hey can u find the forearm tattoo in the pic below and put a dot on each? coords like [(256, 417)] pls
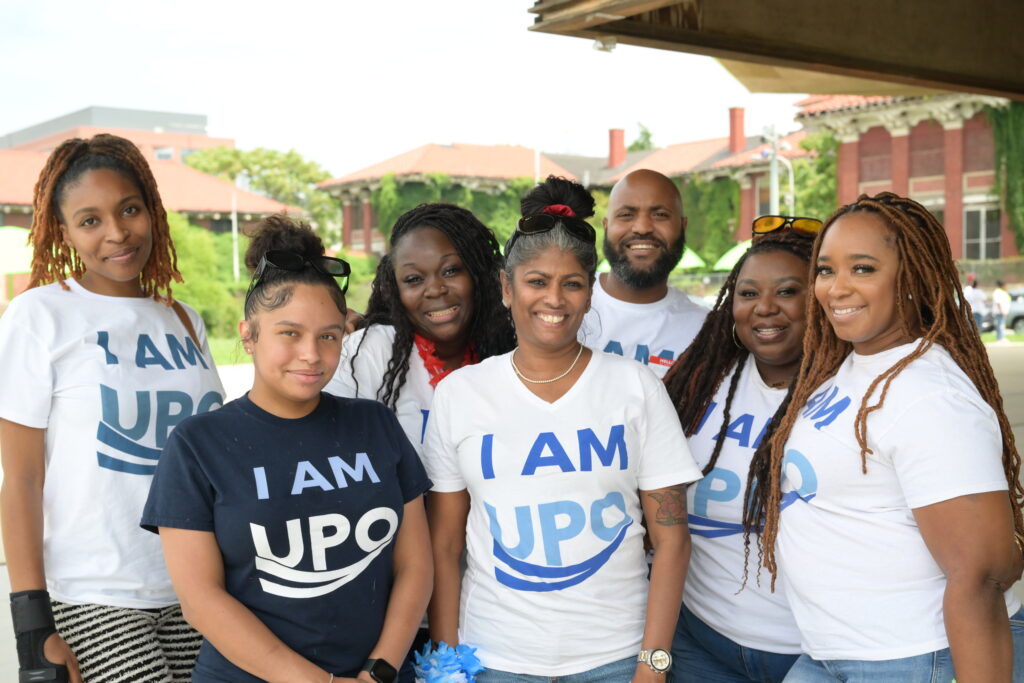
[(671, 506)]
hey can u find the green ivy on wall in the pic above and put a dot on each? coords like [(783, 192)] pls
[(1008, 134), (712, 208)]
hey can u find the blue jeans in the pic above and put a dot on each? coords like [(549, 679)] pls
[(934, 667), (979, 320), (615, 672), (1000, 326), (700, 653)]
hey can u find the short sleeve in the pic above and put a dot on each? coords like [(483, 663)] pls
[(439, 450), (26, 392), (360, 377), (665, 459), (181, 495), (944, 446), (412, 476)]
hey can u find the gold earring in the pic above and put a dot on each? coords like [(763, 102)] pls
[(736, 339)]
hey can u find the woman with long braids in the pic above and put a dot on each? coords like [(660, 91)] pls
[(891, 486), (547, 480), (727, 387), (434, 307), (99, 365), (292, 520)]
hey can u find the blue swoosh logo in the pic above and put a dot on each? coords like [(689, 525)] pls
[(106, 435)]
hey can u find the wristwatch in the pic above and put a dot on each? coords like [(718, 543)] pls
[(380, 670), (659, 660)]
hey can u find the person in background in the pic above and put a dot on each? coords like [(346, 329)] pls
[(99, 364), (1000, 309), (634, 312), (435, 306), (727, 388), (546, 463), (976, 298), (890, 492), (292, 520)]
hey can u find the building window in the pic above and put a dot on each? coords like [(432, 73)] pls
[(981, 233), (164, 153)]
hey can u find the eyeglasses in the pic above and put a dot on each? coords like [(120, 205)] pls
[(809, 227), (295, 262), (545, 222)]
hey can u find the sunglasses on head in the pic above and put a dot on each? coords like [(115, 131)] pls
[(809, 227), (545, 222), (296, 262)]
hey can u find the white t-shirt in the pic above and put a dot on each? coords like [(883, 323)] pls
[(654, 334), (556, 582), (753, 617), (860, 580), (415, 396), (976, 298), (107, 378), (1001, 301)]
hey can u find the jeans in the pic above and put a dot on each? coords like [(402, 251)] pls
[(979, 320), (1000, 326), (700, 653), (934, 667), (615, 672)]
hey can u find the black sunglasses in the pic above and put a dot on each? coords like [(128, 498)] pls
[(295, 262), (546, 222), (808, 227)]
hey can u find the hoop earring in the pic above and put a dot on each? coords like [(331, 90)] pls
[(736, 339)]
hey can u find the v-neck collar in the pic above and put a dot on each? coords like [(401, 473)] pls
[(523, 389)]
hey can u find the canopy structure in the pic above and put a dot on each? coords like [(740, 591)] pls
[(729, 258), (15, 254), (690, 260), (867, 47)]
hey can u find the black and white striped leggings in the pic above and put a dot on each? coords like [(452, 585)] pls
[(122, 645)]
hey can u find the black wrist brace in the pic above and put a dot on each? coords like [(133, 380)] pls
[(33, 624)]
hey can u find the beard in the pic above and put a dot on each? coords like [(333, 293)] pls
[(654, 274)]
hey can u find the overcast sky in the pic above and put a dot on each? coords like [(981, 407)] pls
[(351, 83)]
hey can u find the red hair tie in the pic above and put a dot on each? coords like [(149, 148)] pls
[(559, 210)]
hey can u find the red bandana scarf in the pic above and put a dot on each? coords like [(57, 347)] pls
[(435, 366)]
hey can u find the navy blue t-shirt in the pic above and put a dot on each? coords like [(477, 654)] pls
[(304, 511)]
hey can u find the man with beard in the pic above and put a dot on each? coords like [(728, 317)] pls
[(634, 312)]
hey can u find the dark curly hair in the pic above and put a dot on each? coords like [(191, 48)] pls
[(275, 288), (490, 328)]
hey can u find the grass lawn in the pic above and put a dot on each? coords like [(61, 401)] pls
[(991, 337), (228, 351)]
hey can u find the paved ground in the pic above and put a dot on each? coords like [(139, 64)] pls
[(1008, 362)]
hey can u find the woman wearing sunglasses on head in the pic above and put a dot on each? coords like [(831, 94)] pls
[(293, 523), (727, 386), (548, 480), (435, 307), (99, 363), (884, 490)]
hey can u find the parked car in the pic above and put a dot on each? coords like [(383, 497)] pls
[(1015, 318)]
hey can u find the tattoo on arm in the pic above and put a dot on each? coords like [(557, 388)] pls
[(671, 505)]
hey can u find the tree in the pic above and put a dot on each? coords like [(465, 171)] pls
[(643, 141), (1008, 134), (284, 176), (815, 176), (712, 208)]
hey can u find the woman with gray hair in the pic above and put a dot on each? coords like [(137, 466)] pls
[(548, 481)]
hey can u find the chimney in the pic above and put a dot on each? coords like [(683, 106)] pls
[(616, 147), (737, 138)]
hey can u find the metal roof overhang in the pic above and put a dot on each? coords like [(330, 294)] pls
[(870, 47)]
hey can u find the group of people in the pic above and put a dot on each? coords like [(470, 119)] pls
[(1001, 301), (584, 477)]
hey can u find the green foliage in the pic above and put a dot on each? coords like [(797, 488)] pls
[(1008, 133), (712, 208), (204, 260), (815, 177), (643, 141), (284, 176)]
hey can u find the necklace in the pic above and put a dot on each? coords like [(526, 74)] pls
[(523, 377), (434, 365)]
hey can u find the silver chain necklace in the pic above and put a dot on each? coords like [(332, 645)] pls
[(523, 377)]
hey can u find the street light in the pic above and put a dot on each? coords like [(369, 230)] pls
[(774, 158)]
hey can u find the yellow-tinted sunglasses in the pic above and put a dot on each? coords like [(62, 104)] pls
[(808, 227)]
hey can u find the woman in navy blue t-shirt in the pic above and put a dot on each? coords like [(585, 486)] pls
[(292, 520)]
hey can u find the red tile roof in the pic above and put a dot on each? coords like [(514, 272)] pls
[(815, 104), (678, 159), (459, 161), (182, 188), (744, 157)]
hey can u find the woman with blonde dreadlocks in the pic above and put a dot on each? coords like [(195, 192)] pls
[(99, 364), (727, 386), (891, 485)]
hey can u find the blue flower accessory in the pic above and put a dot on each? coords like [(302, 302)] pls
[(447, 664)]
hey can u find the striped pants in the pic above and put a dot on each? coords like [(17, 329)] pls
[(121, 645)]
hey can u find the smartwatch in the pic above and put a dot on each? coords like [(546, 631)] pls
[(659, 660), (382, 672)]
